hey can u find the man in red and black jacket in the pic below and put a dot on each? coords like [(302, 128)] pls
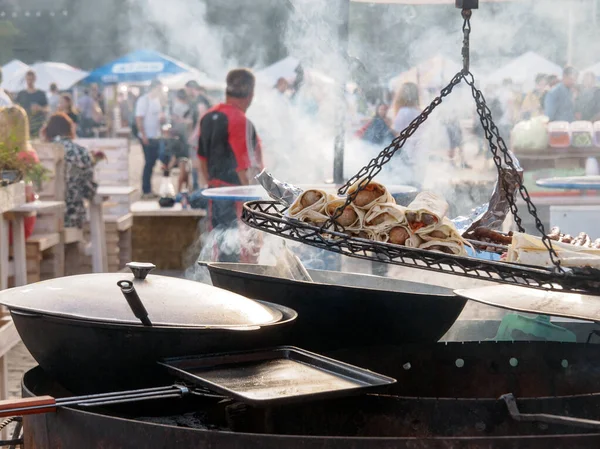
[(229, 148)]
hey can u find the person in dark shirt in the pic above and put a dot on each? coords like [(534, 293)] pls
[(559, 105), (65, 105), (378, 131), (198, 104), (229, 149), (587, 105), (35, 103)]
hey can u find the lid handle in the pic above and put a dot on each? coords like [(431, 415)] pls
[(134, 301), (141, 269)]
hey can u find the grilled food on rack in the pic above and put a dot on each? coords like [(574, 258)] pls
[(530, 250), (426, 211), (351, 218), (581, 240), (310, 206), (376, 216), (373, 193)]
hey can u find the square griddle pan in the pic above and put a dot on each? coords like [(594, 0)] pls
[(276, 376)]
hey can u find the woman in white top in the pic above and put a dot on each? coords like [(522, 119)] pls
[(405, 109)]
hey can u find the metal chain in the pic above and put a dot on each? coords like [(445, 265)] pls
[(367, 173), (492, 134), (493, 137)]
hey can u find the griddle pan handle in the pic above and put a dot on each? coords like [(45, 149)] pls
[(134, 301), (513, 409), (28, 406)]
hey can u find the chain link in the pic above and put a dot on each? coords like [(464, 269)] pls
[(497, 144), (374, 167), (498, 148)]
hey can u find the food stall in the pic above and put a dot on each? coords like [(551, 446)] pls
[(358, 363)]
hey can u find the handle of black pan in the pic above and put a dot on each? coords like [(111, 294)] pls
[(134, 301), (511, 404), (27, 406)]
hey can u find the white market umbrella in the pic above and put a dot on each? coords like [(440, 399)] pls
[(12, 68), (63, 75), (523, 70), (286, 68), (595, 69), (434, 72), (179, 80)]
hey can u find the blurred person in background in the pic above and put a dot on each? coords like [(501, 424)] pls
[(35, 103), (90, 114), (379, 130), (97, 96), (124, 109), (532, 104), (65, 105), (282, 86), (456, 143), (79, 168), (53, 98), (559, 104), (587, 105), (406, 106), (510, 107), (180, 131), (5, 99), (229, 150), (552, 81), (199, 104), (405, 109), (149, 116)]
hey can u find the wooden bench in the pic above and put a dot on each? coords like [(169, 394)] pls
[(118, 241), (45, 247)]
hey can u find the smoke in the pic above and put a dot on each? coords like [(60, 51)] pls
[(298, 133)]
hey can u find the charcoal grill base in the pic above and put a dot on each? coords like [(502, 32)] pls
[(388, 420), (373, 422)]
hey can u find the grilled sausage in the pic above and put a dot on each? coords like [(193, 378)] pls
[(310, 198), (399, 235)]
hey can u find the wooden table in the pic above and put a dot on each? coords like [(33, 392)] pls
[(98, 234), (556, 157), (18, 219), (164, 236), (11, 197)]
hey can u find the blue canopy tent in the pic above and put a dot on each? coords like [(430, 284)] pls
[(139, 66)]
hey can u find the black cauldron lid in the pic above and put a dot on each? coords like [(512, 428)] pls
[(165, 301)]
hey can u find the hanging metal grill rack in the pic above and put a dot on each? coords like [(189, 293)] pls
[(269, 216)]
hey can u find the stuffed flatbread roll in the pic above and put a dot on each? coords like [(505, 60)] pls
[(530, 250), (367, 234), (310, 206), (442, 231), (396, 235), (426, 211), (373, 193), (414, 241), (351, 218), (383, 216), (446, 247)]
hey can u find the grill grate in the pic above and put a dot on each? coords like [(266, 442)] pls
[(268, 216)]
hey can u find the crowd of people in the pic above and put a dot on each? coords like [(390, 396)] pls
[(565, 99), (215, 144), (39, 106)]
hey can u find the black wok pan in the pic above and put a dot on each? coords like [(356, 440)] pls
[(95, 357), (341, 310)]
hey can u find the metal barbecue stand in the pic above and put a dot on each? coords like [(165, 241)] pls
[(268, 216)]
